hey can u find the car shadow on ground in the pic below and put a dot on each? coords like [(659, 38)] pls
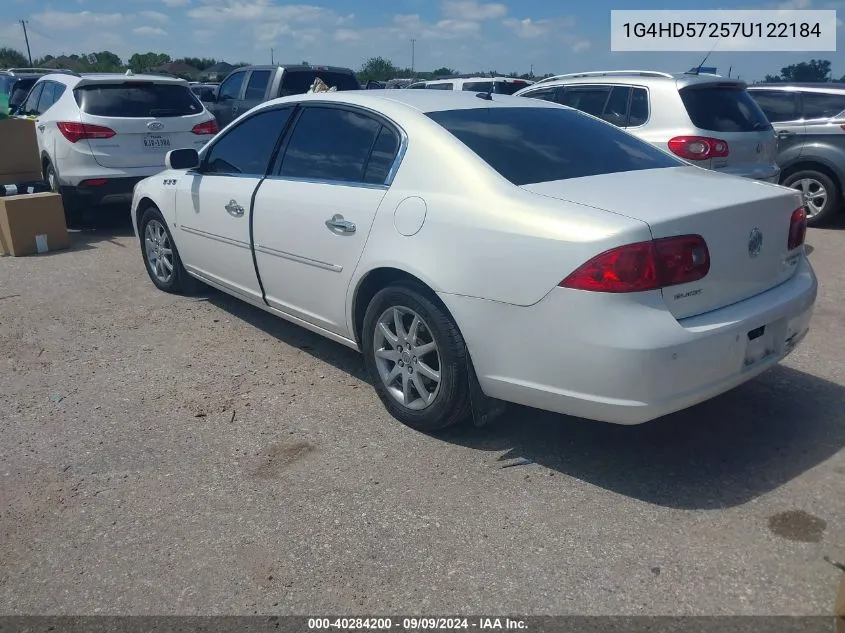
[(722, 453), (104, 224)]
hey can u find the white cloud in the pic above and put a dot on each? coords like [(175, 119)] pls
[(177, 3), (529, 28), (155, 16), (405, 26), (263, 11), (346, 35), (581, 46), (149, 31), (471, 10), (66, 21)]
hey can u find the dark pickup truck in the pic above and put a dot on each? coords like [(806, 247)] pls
[(246, 87)]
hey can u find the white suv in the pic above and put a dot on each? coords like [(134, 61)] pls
[(99, 134), (497, 85), (708, 120)]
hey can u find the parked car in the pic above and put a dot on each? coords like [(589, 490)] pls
[(706, 119), (99, 134), (448, 237), (15, 84), (496, 85), (810, 123), (248, 86), (205, 92)]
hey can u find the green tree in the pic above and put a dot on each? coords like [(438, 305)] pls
[(143, 62), (200, 63), (377, 68), (816, 70), (10, 58), (445, 71)]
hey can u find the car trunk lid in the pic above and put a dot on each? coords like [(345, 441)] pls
[(744, 222), (148, 119)]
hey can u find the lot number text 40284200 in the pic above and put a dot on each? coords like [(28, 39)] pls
[(418, 623)]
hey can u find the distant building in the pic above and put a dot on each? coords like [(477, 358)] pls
[(180, 69), (217, 72)]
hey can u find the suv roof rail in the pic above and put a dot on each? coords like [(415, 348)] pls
[(45, 71), (609, 73)]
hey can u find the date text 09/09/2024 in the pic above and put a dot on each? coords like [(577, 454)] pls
[(417, 623)]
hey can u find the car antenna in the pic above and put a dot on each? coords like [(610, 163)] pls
[(697, 69)]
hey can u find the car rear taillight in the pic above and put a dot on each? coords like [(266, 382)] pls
[(698, 147), (206, 127), (797, 228), (75, 131), (644, 266)]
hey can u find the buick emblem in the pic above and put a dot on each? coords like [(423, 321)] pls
[(155, 125), (755, 242)]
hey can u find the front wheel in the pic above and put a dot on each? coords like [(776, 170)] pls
[(161, 258), (820, 193), (416, 358)]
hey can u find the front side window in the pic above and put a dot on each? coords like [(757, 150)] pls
[(248, 147), (587, 99), (231, 87), (543, 144), (330, 144)]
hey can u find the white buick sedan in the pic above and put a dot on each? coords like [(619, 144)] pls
[(481, 249)]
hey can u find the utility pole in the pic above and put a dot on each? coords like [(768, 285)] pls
[(272, 58), (413, 42), (531, 72), (26, 39)]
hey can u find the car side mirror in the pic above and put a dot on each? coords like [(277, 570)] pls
[(182, 159)]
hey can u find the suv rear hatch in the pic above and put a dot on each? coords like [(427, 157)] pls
[(725, 111), (297, 81), (723, 210), (148, 119)]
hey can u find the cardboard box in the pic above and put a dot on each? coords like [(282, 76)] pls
[(32, 223), (19, 155)]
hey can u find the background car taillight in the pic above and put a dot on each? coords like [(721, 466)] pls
[(698, 147), (644, 266), (797, 228), (75, 131), (206, 127)]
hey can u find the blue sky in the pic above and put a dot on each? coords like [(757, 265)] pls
[(468, 35)]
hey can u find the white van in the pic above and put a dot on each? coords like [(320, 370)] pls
[(496, 85)]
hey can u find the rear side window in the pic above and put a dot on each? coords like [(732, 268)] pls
[(5, 83), (510, 87), (723, 108), (257, 86), (443, 86), (818, 105), (330, 144), (616, 109), (777, 105), (587, 99), (382, 156), (542, 144), (546, 94), (478, 86), (141, 100), (246, 148), (297, 82), (639, 107)]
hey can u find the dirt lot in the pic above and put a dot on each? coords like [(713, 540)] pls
[(164, 455)]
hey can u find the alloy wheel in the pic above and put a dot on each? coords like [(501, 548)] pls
[(813, 193), (159, 251)]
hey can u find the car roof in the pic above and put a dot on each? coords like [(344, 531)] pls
[(816, 87), (641, 77), (88, 78), (335, 69), (424, 101)]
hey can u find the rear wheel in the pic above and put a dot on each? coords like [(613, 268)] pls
[(161, 258), (416, 358), (820, 193)]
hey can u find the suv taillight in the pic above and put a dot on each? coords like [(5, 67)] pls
[(206, 127), (797, 228), (644, 266), (698, 147), (75, 131)]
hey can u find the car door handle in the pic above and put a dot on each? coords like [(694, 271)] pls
[(337, 223), (234, 209), (785, 134)]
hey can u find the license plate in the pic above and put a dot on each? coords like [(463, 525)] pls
[(156, 141)]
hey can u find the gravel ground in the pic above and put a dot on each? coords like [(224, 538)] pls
[(171, 455)]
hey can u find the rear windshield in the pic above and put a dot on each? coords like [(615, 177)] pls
[(141, 99), (8, 84), (530, 145), (297, 82), (724, 109)]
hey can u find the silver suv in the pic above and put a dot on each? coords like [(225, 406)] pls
[(708, 120), (810, 123)]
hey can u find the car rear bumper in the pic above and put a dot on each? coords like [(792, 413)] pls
[(112, 191), (767, 172), (589, 355)]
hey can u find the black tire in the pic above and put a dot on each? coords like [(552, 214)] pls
[(179, 282), (832, 202), (451, 402), (73, 216)]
